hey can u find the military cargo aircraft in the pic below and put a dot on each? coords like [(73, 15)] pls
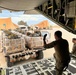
[(62, 12)]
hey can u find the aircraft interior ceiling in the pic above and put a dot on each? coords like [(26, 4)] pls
[(20, 4), (62, 12)]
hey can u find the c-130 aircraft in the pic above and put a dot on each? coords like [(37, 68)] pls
[(62, 12)]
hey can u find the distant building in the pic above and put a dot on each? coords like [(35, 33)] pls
[(6, 23), (43, 25)]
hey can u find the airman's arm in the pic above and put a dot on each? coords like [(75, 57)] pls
[(50, 45)]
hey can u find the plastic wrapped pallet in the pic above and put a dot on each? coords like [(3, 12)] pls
[(34, 42), (2, 37), (14, 45)]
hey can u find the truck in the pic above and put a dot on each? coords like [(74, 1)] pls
[(11, 44), (17, 46), (34, 39)]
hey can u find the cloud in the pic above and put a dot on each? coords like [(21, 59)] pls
[(16, 19), (29, 17), (7, 13), (19, 16)]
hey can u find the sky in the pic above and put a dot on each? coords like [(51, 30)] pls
[(19, 16)]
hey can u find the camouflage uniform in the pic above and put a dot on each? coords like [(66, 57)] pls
[(61, 54)]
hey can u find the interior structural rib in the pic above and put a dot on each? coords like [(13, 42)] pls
[(62, 12)]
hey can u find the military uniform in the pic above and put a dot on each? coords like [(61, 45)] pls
[(61, 54)]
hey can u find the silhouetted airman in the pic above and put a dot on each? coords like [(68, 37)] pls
[(61, 54)]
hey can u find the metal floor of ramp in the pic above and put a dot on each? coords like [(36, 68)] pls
[(40, 67)]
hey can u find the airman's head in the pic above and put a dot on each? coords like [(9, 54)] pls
[(58, 35)]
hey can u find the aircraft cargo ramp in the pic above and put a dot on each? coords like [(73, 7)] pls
[(40, 67)]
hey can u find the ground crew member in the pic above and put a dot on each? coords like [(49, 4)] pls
[(61, 55), (74, 46)]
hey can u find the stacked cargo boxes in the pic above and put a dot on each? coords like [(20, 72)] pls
[(14, 45)]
